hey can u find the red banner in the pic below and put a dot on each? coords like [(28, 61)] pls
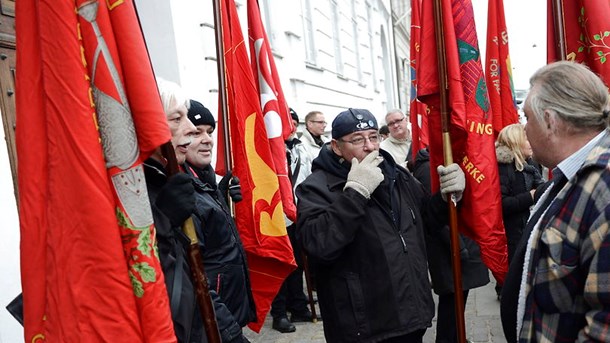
[(418, 111), (275, 110), (260, 215), (90, 271), (480, 212), (587, 34), (498, 70)]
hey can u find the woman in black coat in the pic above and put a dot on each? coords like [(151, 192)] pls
[(518, 182)]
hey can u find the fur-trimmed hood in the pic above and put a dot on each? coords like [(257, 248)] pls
[(504, 155)]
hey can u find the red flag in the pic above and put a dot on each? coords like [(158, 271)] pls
[(89, 266), (587, 34), (275, 110), (498, 70), (260, 215), (418, 111), (480, 213)]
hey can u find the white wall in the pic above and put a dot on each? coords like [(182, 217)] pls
[(10, 278), (192, 63)]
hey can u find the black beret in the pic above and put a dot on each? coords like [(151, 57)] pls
[(200, 115), (294, 115), (352, 120)]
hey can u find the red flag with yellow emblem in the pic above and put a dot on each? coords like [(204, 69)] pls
[(260, 215), (88, 114), (275, 110)]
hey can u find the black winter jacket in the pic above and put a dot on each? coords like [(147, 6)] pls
[(172, 245), (369, 256), (515, 187), (223, 256), (438, 243)]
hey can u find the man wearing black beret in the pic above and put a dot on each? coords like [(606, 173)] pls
[(362, 220), (224, 257)]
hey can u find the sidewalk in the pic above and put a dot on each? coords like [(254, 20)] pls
[(482, 323)]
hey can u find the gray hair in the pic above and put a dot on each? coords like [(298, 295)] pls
[(172, 95), (573, 92), (390, 112)]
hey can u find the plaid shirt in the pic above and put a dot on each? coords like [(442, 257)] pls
[(568, 280)]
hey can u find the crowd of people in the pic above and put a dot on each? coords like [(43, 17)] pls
[(376, 241)]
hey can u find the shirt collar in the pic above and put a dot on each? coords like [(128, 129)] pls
[(570, 166)]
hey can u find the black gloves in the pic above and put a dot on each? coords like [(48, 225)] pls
[(177, 199), (233, 190)]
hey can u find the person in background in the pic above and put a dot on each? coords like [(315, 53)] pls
[(361, 221), (518, 182), (223, 255), (398, 143), (384, 132), (173, 201), (291, 296), (438, 246), (312, 139), (557, 287)]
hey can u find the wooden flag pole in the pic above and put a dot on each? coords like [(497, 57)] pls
[(195, 260), (448, 158), (560, 35), (222, 84)]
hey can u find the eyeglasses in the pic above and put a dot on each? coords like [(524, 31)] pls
[(359, 141), (319, 122), (397, 121)]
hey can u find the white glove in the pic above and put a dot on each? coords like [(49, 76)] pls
[(365, 176), (452, 180)]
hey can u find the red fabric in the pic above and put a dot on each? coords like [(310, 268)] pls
[(587, 35), (260, 215), (480, 213), (418, 111), (498, 70), (75, 270), (275, 110)]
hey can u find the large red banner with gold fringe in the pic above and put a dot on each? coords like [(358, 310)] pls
[(472, 139), (88, 113), (587, 34)]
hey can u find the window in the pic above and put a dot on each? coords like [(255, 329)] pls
[(336, 36), (356, 44), (310, 47)]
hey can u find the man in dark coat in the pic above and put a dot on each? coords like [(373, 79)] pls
[(438, 245), (224, 258), (361, 219), (173, 201)]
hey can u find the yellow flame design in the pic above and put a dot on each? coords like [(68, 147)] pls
[(265, 185)]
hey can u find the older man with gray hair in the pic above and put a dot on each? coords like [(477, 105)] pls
[(398, 143), (562, 285)]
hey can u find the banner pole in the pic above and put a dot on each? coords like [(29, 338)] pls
[(222, 84), (558, 27), (448, 159)]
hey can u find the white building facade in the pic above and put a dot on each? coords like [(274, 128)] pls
[(330, 54)]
